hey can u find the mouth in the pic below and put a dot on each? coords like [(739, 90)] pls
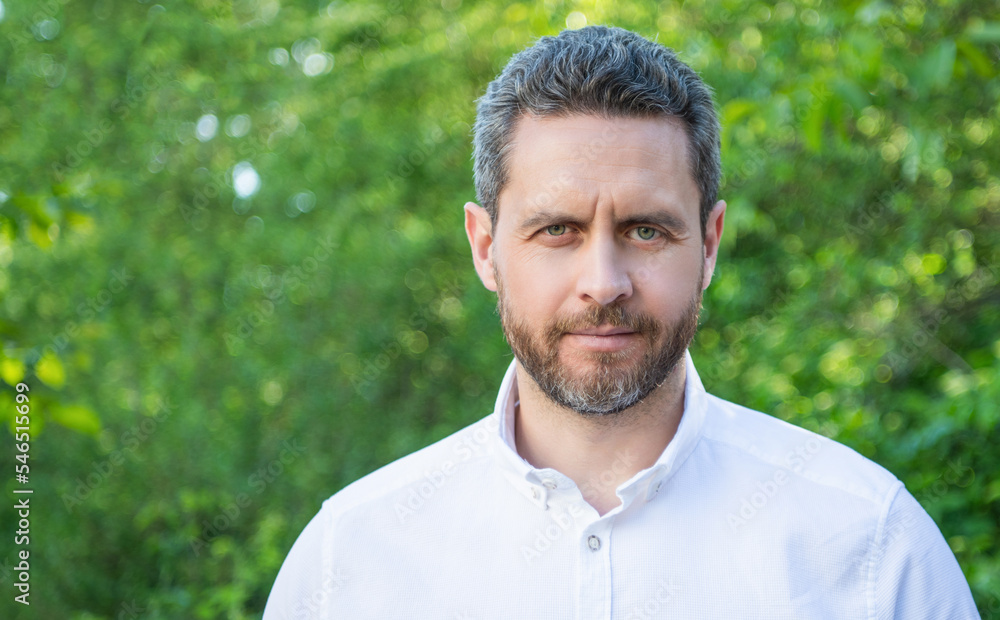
[(603, 331), (605, 339)]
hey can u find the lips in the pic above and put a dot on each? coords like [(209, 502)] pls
[(602, 331), (605, 339)]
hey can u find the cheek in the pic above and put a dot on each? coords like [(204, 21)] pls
[(667, 273), (536, 287)]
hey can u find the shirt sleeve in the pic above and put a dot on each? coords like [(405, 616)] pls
[(916, 574), (298, 591)]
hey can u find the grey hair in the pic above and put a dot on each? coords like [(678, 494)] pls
[(597, 70)]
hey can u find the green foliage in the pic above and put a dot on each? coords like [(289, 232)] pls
[(207, 367)]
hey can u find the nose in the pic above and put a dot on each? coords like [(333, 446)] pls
[(603, 277)]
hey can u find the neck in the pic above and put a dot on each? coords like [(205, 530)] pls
[(598, 453)]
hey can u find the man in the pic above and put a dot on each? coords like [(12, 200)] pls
[(607, 483)]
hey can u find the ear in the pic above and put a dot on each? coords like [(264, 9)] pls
[(713, 235), (479, 229)]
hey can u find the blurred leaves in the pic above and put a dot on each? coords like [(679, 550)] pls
[(177, 331)]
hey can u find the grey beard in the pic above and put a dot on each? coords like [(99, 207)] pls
[(609, 390)]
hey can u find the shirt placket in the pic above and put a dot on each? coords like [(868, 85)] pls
[(594, 573)]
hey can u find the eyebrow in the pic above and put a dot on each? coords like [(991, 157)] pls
[(661, 218), (545, 217), (664, 219)]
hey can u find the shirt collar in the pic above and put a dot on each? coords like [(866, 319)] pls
[(537, 484)]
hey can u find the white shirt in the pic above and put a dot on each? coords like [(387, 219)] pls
[(742, 516)]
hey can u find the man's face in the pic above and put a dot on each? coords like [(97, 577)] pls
[(597, 256)]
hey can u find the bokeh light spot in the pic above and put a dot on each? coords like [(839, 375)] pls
[(317, 64), (47, 29), (238, 126), (278, 56), (206, 127), (246, 181), (576, 20)]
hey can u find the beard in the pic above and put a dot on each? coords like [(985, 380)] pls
[(613, 383)]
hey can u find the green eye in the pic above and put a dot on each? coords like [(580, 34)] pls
[(645, 233), (556, 229)]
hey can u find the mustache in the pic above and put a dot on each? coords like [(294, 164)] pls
[(615, 316)]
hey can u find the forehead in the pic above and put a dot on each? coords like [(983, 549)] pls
[(584, 160)]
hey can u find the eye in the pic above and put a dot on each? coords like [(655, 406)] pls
[(556, 230), (646, 233)]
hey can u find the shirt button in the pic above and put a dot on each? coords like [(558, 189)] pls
[(534, 492), (594, 543), (550, 484)]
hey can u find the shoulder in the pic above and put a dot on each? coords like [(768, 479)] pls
[(455, 456), (757, 439), (338, 542)]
